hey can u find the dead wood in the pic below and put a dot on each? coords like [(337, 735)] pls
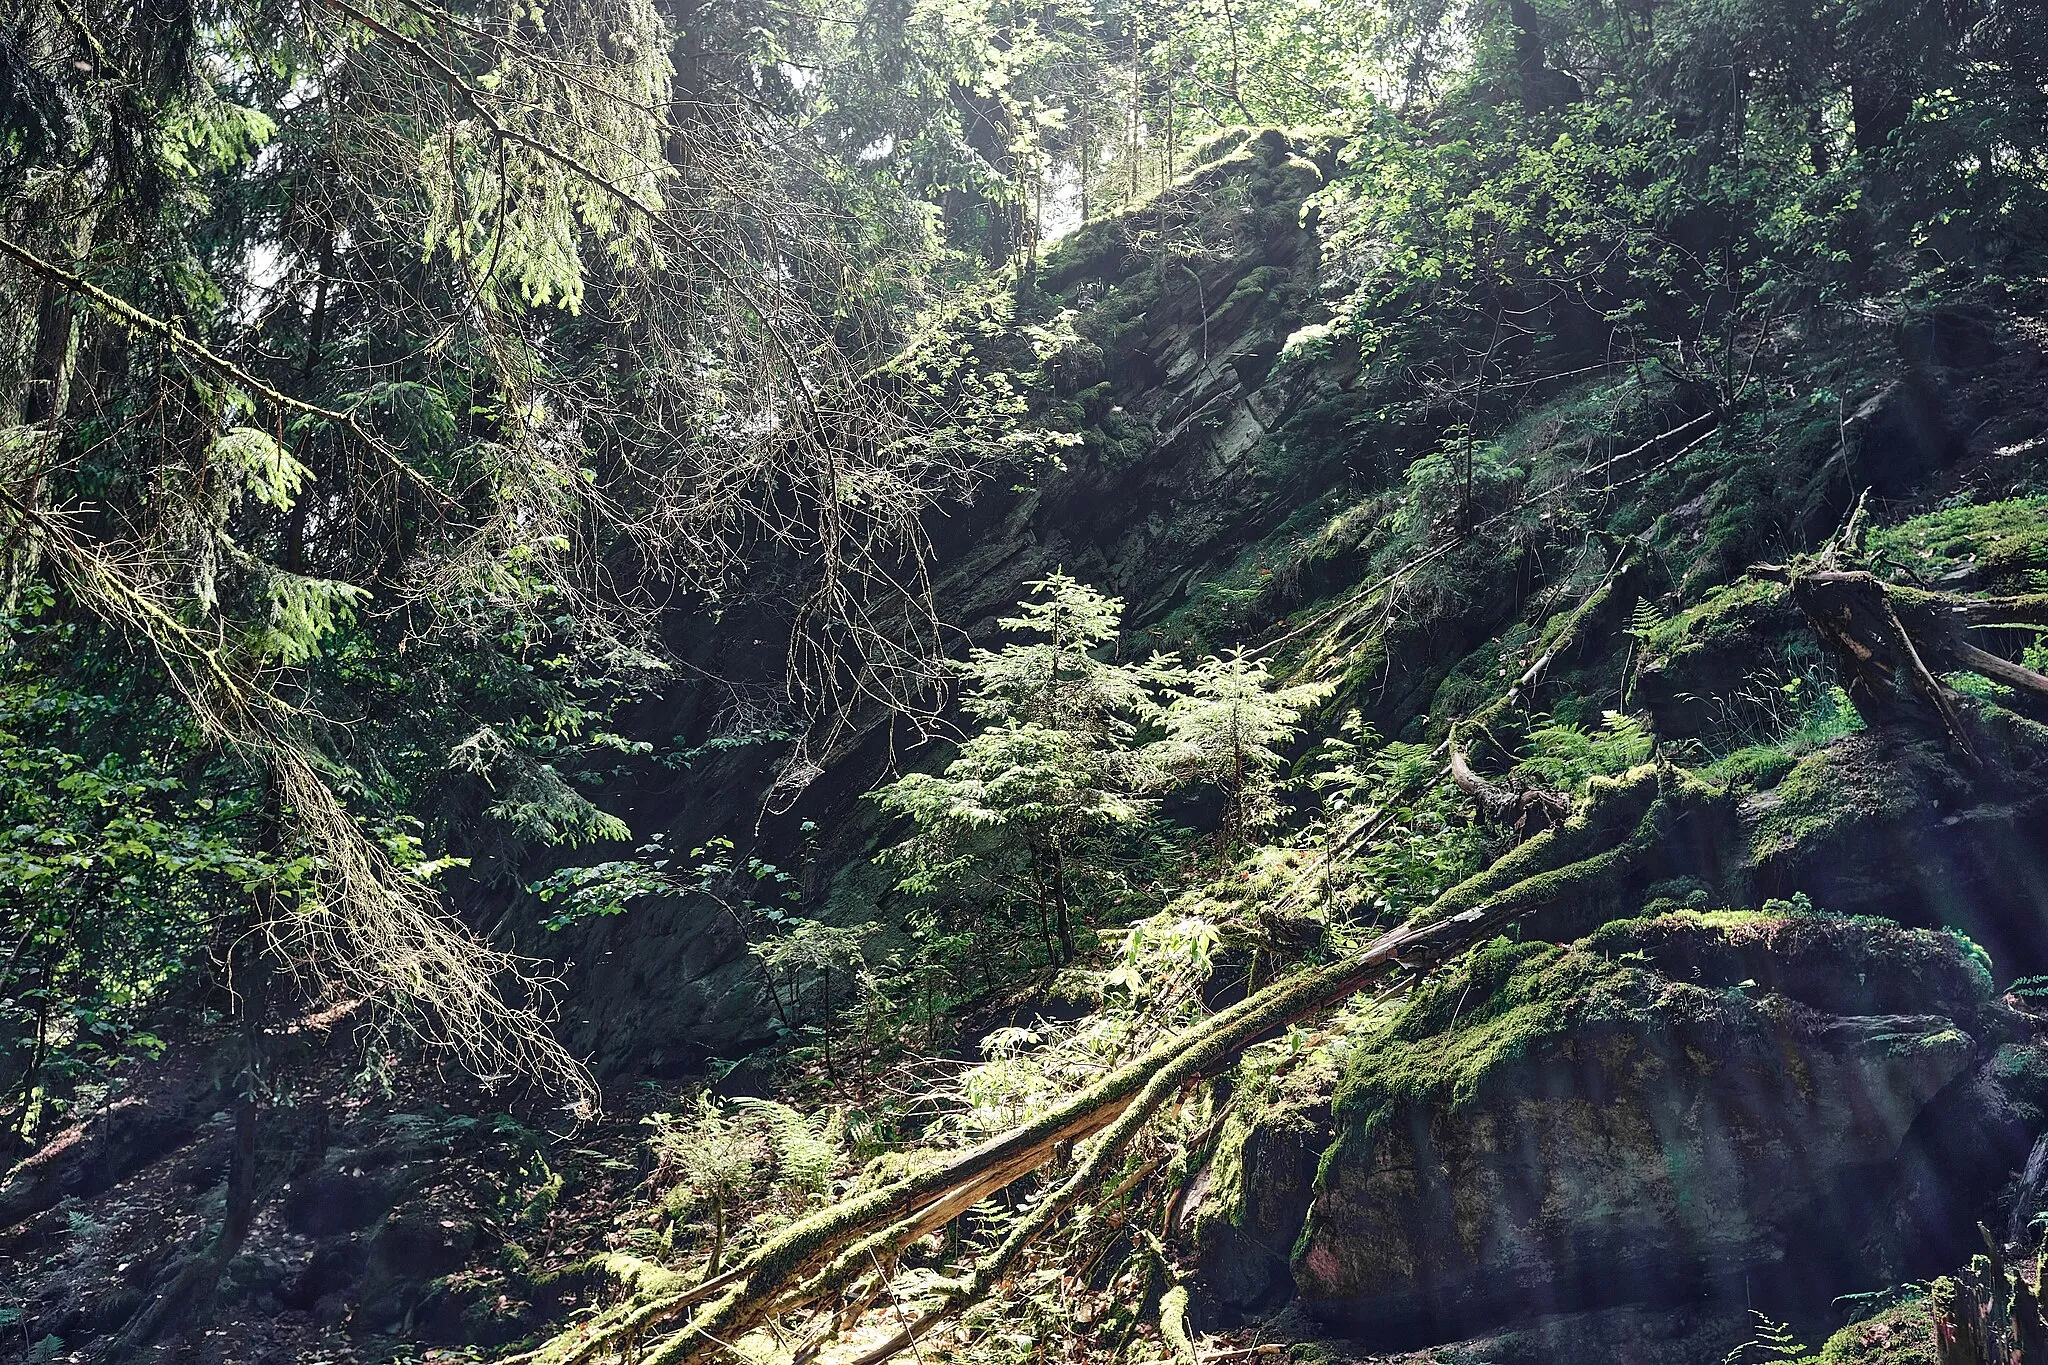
[(819, 1258), (1894, 644)]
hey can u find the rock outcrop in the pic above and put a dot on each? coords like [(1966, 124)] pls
[(1183, 451), (1759, 1101)]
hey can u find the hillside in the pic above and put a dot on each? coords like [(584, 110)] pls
[(1419, 734)]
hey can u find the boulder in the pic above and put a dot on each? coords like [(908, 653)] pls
[(1901, 434), (1899, 825), (1675, 1108)]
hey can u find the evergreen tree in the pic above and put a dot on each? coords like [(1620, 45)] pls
[(1222, 727), (1071, 756), (1051, 677), (1024, 815)]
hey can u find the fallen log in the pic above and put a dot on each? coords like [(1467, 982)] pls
[(820, 1256), (1895, 642)]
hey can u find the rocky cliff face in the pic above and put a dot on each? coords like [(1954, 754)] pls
[(1188, 446)]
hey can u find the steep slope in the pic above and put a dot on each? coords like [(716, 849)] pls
[(1686, 1073), (1676, 1097), (1188, 445), (1767, 1110)]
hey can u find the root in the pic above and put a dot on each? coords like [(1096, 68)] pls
[(1519, 807), (1173, 1324), (1883, 633)]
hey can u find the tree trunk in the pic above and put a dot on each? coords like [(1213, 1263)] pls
[(49, 377), (1063, 915)]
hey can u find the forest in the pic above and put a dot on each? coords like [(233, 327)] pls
[(814, 682)]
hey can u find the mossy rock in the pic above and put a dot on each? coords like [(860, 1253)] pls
[(1826, 962), (2020, 1070), (1754, 767), (1265, 288), (1829, 796), (1296, 178), (1693, 1334), (1998, 546), (1468, 1032), (1898, 825), (1663, 1104), (1254, 1194), (1694, 662), (1902, 1334)]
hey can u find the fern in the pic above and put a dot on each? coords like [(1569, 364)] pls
[(806, 1150), (1565, 757), (1644, 620), (1769, 1341)]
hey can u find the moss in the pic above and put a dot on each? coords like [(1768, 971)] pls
[(1216, 146), (1621, 817), (1724, 970), (1739, 530), (1825, 792), (1231, 603), (637, 1275), (2021, 1073), (543, 1200), (1481, 676), (1256, 284), (1098, 251), (1464, 1027), (1727, 615), (1902, 1334), (2004, 544), (1758, 767), (1313, 1353), (890, 1168), (1627, 935), (1849, 965), (1296, 178), (1225, 1200), (1132, 293), (1280, 1098)]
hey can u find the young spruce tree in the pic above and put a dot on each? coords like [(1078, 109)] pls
[(1222, 727), (1071, 753), (1021, 818)]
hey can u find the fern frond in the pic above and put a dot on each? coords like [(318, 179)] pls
[(1644, 619)]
